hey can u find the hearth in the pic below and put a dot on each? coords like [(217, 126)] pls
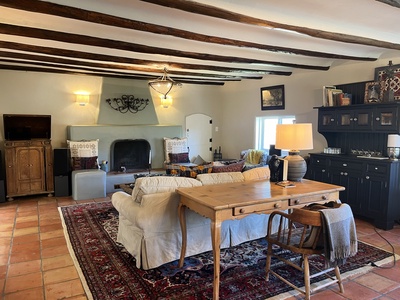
[(130, 156)]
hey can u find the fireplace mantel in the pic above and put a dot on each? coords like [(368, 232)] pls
[(107, 134)]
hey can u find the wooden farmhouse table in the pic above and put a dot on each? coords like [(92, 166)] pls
[(233, 201)]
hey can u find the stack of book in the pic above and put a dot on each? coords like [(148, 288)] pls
[(335, 97)]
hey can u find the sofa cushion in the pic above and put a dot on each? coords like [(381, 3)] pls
[(179, 157), (84, 163), (235, 167), (160, 184), (174, 145), (84, 154), (224, 177), (261, 173)]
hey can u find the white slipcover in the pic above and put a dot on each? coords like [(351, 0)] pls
[(150, 230)]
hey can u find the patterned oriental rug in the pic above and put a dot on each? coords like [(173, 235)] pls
[(108, 271)]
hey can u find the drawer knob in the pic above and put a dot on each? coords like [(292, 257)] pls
[(366, 177), (324, 198), (277, 205), (297, 201), (241, 210)]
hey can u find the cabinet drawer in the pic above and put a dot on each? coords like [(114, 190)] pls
[(318, 161), (346, 164), (269, 206), (377, 168), (322, 198)]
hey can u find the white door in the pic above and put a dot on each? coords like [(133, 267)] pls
[(199, 134)]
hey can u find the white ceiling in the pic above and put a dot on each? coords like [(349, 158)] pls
[(332, 32)]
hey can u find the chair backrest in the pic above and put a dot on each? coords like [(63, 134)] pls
[(300, 229)]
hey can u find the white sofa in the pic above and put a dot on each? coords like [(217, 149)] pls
[(149, 224)]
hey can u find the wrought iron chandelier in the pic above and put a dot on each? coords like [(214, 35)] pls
[(128, 103), (164, 84)]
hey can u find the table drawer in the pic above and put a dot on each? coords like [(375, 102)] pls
[(258, 208), (322, 198)]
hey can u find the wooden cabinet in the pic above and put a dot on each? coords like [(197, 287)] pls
[(29, 167), (381, 117), (372, 188)]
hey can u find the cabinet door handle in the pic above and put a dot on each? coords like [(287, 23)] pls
[(377, 118), (366, 177), (344, 165), (332, 120), (341, 173), (355, 119), (345, 173), (376, 168), (323, 171)]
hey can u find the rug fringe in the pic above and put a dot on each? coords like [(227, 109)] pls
[(346, 275), (74, 259)]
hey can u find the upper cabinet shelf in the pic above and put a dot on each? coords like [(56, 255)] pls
[(382, 117)]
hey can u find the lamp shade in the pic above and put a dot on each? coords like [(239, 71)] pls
[(393, 140), (294, 136), (82, 98)]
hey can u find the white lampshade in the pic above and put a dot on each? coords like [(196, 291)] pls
[(393, 140), (294, 136)]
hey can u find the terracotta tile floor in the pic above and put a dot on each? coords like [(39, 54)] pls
[(35, 262)]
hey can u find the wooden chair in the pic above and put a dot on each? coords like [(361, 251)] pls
[(300, 232)]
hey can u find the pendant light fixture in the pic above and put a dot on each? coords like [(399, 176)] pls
[(163, 85)]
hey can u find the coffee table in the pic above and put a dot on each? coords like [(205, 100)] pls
[(232, 201)]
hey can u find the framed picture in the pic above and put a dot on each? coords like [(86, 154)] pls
[(373, 92), (273, 97), (381, 75)]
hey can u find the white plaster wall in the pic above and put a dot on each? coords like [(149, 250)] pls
[(53, 94), (232, 107), (303, 91)]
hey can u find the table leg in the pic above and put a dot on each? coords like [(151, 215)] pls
[(216, 245), (182, 220)]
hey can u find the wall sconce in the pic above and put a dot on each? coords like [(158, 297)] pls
[(82, 98), (294, 137), (166, 101)]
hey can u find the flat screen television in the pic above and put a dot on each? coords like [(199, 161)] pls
[(26, 127)]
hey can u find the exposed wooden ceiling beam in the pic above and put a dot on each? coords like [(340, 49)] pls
[(113, 44), (71, 63), (126, 60), (100, 18), (100, 74), (216, 12), (395, 3)]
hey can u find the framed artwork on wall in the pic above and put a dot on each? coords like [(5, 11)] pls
[(373, 92), (273, 97), (389, 76)]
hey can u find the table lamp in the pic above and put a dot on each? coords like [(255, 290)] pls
[(393, 146), (294, 137)]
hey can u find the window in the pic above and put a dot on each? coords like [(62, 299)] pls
[(266, 129)]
